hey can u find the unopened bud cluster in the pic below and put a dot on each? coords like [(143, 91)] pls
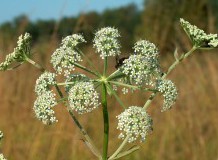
[(198, 36), (134, 123), (19, 53)]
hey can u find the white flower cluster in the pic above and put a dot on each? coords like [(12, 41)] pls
[(66, 55), (43, 107), (142, 67), (106, 42), (83, 98), (22, 50), (136, 67), (1, 135), (2, 157), (198, 36), (150, 52), (146, 48), (135, 123), (43, 82), (169, 91), (46, 98)]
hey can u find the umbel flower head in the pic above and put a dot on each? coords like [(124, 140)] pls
[(134, 122), (1, 135), (146, 48), (139, 69), (22, 50), (43, 82), (2, 157), (198, 37), (106, 42), (83, 98), (150, 52), (142, 67), (43, 107), (67, 54), (169, 91)]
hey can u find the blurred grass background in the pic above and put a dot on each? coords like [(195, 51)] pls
[(188, 131)]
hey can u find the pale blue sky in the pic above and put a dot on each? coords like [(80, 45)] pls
[(54, 9)]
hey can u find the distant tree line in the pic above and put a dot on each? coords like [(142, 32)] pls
[(125, 19), (158, 22)]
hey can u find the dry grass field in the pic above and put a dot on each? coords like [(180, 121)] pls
[(189, 131)]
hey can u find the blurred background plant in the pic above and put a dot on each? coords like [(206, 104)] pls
[(188, 131)]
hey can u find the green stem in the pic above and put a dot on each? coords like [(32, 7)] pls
[(61, 100), (125, 153), (67, 83), (172, 67), (115, 75), (150, 99), (182, 57), (105, 66), (88, 141), (106, 121), (85, 69), (116, 96), (152, 96), (88, 60), (35, 64), (14, 67), (59, 91), (131, 86), (119, 148)]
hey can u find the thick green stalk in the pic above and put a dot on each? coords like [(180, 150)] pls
[(106, 121)]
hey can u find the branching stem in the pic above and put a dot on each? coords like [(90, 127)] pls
[(152, 96), (88, 140)]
